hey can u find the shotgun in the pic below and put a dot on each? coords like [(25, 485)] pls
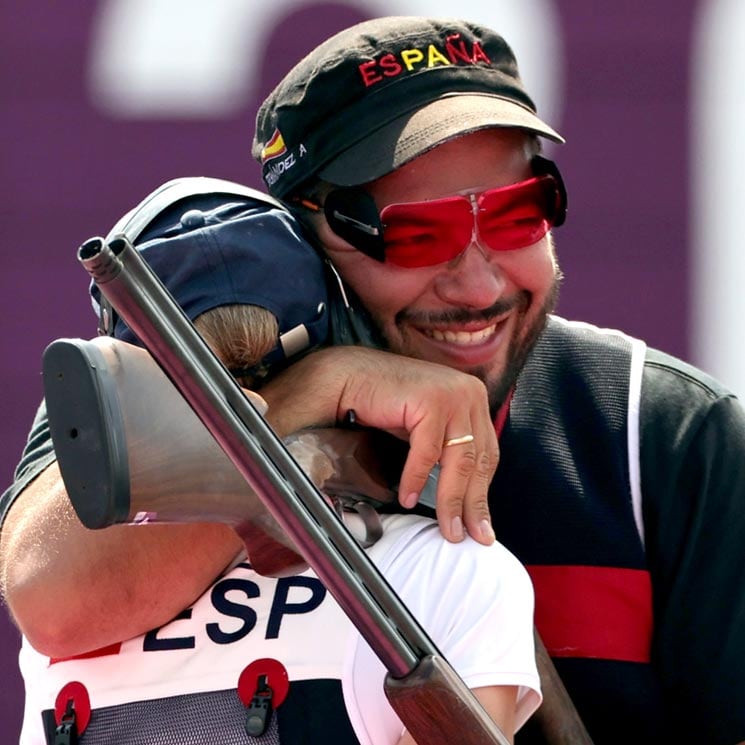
[(430, 698)]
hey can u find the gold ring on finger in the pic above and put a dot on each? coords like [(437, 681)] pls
[(458, 441)]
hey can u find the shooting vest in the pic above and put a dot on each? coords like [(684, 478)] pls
[(566, 500), (201, 673)]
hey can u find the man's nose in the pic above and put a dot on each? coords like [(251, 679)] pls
[(473, 279)]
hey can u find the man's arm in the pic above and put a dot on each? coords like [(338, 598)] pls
[(71, 590), (693, 484), (420, 401)]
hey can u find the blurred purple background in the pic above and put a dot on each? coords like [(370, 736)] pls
[(76, 155)]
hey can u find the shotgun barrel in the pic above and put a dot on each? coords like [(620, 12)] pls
[(419, 679)]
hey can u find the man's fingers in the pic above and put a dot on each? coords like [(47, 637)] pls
[(457, 464), (467, 464), (445, 414), (467, 467), (476, 504)]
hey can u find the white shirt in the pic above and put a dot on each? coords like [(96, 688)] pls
[(475, 602)]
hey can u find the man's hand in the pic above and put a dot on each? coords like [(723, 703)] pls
[(424, 402)]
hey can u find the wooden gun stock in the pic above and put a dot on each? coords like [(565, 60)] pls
[(433, 693), (557, 718), (428, 694)]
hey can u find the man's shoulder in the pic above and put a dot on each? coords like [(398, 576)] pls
[(586, 360), (37, 455), (575, 345), (571, 336), (665, 373), (612, 369), (679, 400), (575, 340)]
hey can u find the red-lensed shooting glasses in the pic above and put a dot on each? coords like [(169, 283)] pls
[(417, 234)]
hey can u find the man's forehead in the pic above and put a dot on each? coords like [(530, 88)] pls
[(485, 158)]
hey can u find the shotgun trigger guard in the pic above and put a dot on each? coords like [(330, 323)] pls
[(367, 514)]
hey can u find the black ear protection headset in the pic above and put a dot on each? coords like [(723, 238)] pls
[(353, 215)]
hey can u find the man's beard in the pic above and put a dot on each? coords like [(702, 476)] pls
[(518, 351), (520, 345)]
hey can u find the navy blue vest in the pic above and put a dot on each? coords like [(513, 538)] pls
[(562, 502)]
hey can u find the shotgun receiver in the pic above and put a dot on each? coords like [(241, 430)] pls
[(429, 697)]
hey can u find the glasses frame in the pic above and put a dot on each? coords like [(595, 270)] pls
[(352, 214)]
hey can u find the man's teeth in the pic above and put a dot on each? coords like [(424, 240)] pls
[(462, 337)]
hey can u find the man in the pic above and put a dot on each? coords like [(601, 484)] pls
[(620, 475), (408, 148)]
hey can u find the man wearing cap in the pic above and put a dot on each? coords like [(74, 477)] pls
[(409, 148)]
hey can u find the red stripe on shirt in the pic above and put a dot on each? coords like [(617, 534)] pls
[(594, 612), (101, 652)]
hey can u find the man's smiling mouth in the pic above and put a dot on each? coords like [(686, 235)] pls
[(460, 337)]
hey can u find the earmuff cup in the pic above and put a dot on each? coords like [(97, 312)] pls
[(353, 215)]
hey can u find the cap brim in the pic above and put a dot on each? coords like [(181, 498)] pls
[(399, 141)]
